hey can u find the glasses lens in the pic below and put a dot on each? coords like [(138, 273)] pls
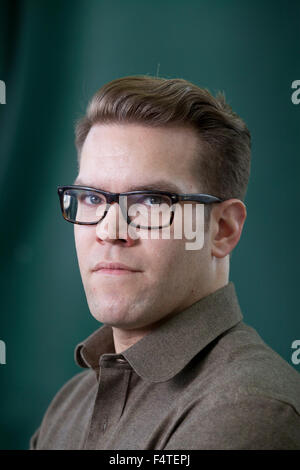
[(149, 210), (83, 205)]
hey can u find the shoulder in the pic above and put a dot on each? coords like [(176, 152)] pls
[(239, 422), (251, 366), (78, 392), (243, 396), (74, 390), (239, 361)]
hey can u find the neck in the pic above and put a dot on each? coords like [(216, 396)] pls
[(123, 339)]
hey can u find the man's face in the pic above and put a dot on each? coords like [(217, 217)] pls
[(168, 277)]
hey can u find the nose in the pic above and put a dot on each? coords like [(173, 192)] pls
[(114, 226)]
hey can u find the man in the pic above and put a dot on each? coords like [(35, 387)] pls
[(173, 366)]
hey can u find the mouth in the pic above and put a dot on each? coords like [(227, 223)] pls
[(116, 269)]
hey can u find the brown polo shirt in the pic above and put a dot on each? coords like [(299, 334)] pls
[(203, 380)]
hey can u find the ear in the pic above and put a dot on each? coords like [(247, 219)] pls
[(227, 220)]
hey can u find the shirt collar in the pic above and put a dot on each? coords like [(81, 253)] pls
[(166, 350)]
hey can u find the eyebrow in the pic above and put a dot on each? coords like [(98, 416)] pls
[(160, 185)]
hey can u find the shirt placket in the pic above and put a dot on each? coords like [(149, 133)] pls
[(114, 376)]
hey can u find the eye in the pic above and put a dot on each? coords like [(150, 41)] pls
[(91, 199), (151, 200)]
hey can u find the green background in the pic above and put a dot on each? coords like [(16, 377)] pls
[(53, 56)]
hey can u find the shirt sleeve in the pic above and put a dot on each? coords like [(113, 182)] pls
[(248, 422)]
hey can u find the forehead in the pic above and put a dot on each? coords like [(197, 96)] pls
[(115, 156)]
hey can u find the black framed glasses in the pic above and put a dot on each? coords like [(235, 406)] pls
[(83, 205)]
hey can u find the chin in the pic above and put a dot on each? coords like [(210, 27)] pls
[(114, 313)]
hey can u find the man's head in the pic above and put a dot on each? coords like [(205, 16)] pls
[(146, 132)]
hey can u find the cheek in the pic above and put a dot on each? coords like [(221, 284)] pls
[(165, 256), (174, 270), (170, 259), (83, 239), (78, 239)]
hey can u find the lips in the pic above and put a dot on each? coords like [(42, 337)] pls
[(114, 268)]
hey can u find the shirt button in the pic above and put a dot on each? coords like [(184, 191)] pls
[(104, 425), (120, 360)]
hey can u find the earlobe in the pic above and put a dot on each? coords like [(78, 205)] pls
[(227, 225)]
